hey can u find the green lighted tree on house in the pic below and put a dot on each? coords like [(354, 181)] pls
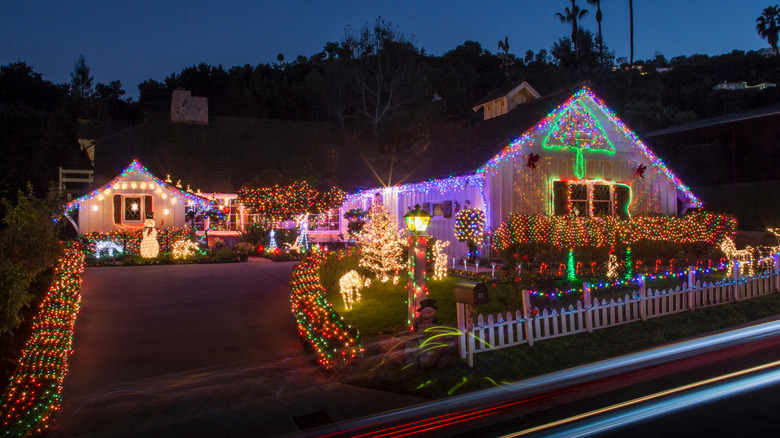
[(380, 243), (470, 227)]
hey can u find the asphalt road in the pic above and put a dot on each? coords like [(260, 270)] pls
[(197, 350)]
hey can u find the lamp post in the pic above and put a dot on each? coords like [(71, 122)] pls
[(417, 287)]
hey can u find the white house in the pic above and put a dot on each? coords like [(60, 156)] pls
[(578, 160), (128, 199)]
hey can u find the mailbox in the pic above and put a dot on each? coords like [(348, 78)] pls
[(469, 292)]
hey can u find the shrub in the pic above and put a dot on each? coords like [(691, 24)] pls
[(225, 254), (244, 247), (13, 295), (253, 234)]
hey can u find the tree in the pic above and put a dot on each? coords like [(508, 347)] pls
[(768, 26), (597, 4), (380, 243), (572, 15), (81, 80), (382, 61), (470, 227)]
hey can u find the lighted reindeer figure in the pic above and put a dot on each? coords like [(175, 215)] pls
[(302, 224), (351, 284), (744, 256)]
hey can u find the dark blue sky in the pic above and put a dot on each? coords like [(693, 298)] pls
[(136, 40)]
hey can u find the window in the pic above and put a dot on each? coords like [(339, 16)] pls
[(590, 198), (132, 209), (438, 209), (329, 221)]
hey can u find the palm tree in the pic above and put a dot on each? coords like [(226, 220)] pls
[(597, 4), (768, 25), (571, 15), (631, 34)]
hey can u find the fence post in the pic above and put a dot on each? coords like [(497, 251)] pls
[(735, 274), (463, 333), (642, 297), (588, 306), (691, 285), (527, 316), (776, 270)]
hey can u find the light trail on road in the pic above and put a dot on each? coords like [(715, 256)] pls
[(728, 385)]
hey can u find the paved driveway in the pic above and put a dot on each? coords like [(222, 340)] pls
[(197, 350)]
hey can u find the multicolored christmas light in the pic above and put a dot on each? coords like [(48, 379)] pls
[(130, 240), (318, 324), (581, 99), (34, 393), (470, 228), (285, 202), (569, 232), (151, 185)]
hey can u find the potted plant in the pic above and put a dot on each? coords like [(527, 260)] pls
[(243, 249)]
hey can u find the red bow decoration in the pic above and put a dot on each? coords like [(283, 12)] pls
[(640, 170), (532, 159)]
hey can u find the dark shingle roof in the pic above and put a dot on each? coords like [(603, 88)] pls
[(498, 92), (220, 156), (766, 111)]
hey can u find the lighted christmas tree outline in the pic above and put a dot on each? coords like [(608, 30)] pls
[(576, 127), (380, 243)]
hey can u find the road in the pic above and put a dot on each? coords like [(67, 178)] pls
[(197, 350)]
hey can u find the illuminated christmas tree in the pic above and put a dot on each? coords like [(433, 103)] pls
[(470, 227), (380, 243)]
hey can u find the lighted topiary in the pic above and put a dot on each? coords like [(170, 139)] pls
[(470, 227)]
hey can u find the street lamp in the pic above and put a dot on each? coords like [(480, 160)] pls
[(417, 220), (417, 287)]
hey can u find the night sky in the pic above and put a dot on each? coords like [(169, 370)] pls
[(136, 40)]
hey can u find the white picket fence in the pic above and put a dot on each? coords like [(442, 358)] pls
[(498, 331)]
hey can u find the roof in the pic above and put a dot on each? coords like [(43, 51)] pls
[(137, 168), (462, 148), (220, 156), (771, 110), (504, 92)]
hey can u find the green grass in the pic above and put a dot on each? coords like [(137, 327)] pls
[(452, 377)]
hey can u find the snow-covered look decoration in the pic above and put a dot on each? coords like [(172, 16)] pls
[(380, 244), (150, 248), (108, 247), (350, 285)]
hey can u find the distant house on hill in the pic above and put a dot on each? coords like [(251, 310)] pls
[(731, 161), (503, 100), (735, 86)]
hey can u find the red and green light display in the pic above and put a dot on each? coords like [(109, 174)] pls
[(34, 392), (572, 232), (318, 324), (130, 240), (285, 202)]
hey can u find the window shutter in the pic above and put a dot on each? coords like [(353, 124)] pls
[(118, 209), (448, 209), (622, 201), (426, 207), (148, 205), (560, 198)]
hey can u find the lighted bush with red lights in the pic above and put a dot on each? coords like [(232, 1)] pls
[(320, 327), (34, 392)]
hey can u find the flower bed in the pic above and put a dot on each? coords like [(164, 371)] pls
[(319, 326), (34, 392)]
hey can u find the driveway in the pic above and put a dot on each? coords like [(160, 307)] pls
[(198, 350)]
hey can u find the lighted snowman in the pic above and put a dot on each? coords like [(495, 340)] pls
[(149, 245)]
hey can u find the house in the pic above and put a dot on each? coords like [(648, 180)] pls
[(130, 198), (501, 101), (562, 154)]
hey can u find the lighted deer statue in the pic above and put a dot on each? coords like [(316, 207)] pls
[(744, 256)]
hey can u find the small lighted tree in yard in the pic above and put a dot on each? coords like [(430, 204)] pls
[(380, 243), (470, 227)]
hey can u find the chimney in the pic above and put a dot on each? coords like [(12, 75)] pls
[(186, 108)]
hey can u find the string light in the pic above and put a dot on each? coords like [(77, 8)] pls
[(151, 183), (440, 259), (380, 244), (470, 227), (350, 285), (285, 202), (34, 393), (571, 232), (318, 324)]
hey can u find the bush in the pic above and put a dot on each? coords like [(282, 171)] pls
[(336, 265), (224, 254), (244, 248), (13, 295), (254, 234)]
